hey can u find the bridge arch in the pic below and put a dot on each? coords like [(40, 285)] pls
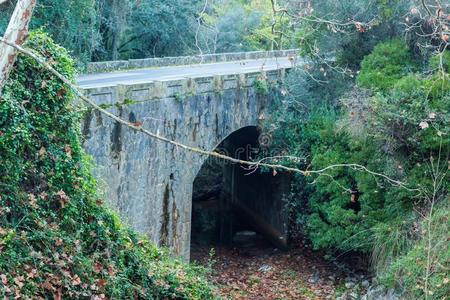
[(150, 183)]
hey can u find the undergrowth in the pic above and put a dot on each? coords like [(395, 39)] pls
[(57, 240)]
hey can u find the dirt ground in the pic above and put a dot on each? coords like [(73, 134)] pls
[(258, 271)]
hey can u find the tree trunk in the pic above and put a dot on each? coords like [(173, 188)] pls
[(16, 33), (119, 9)]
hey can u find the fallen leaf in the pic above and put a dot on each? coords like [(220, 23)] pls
[(359, 27), (4, 279), (111, 271), (101, 283), (68, 151), (32, 201), (58, 293), (42, 152), (60, 93), (62, 198), (43, 195), (76, 280), (97, 267), (19, 281)]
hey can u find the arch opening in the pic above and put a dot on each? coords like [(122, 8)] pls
[(233, 206)]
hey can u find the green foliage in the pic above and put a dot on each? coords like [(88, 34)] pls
[(400, 128), (56, 237), (244, 26), (430, 251), (261, 87), (73, 24), (348, 44), (332, 223), (152, 28), (388, 62), (96, 30), (441, 59)]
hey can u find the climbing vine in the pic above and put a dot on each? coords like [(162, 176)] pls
[(56, 237)]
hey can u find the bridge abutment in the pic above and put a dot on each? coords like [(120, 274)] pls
[(150, 182)]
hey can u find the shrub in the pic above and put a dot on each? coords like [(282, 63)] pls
[(388, 62), (404, 127), (429, 251), (333, 222), (56, 237)]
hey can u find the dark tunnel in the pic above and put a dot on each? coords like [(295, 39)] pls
[(233, 206)]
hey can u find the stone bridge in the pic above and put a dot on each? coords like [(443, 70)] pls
[(200, 104)]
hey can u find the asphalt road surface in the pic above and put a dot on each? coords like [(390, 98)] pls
[(180, 72)]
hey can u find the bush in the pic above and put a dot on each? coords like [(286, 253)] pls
[(388, 62), (56, 237), (429, 251), (333, 222), (403, 125)]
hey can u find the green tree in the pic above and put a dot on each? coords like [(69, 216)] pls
[(73, 24)]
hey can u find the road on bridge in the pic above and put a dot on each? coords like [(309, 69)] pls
[(179, 72)]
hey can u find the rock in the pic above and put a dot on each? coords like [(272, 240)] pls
[(332, 278), (314, 278), (265, 268), (381, 293), (391, 295), (365, 284), (349, 284), (244, 237)]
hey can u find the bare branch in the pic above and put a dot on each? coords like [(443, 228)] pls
[(199, 24)]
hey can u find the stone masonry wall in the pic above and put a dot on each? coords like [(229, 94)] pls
[(108, 66), (150, 182)]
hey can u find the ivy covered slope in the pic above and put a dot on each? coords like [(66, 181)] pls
[(56, 238)]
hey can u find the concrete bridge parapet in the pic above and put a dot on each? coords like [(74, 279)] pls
[(109, 66), (180, 88)]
